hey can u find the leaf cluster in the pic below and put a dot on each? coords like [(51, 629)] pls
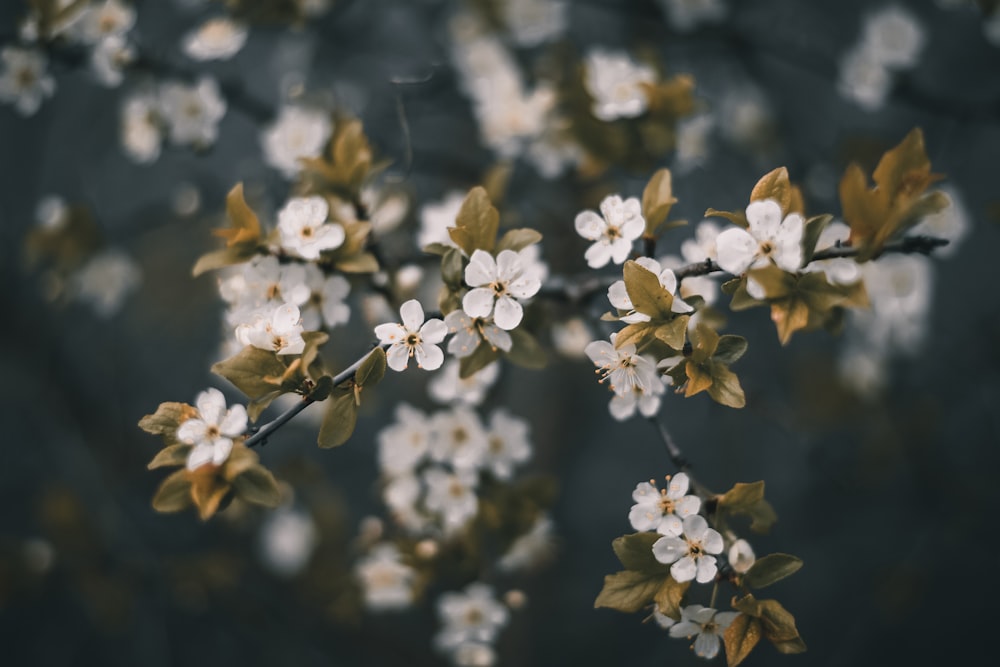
[(706, 367), (643, 582)]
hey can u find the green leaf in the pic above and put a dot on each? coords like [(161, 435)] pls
[(339, 421), (174, 493), (363, 262), (777, 623), (629, 591), (174, 455), (774, 185), (740, 638), (742, 496), (673, 332), (635, 552), (698, 379), (704, 341), (668, 599), (453, 268), (476, 224), (256, 406), (518, 239), (253, 371), (322, 390), (725, 389), (770, 569), (436, 248), (258, 486), (525, 351), (729, 349), (224, 257), (372, 369), (167, 418), (647, 294), (657, 200), (737, 218), (481, 357), (810, 236), (636, 334)]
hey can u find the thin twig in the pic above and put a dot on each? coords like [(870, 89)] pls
[(675, 453), (268, 429)]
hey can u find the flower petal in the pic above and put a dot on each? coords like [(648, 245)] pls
[(706, 645), (220, 450), (678, 486), (235, 421), (390, 332), (764, 218), (482, 269), (429, 357), (668, 549), (413, 315), (199, 456), (211, 405), (736, 250), (684, 569), (590, 225), (433, 331), (397, 357), (695, 526), (670, 525), (508, 313), (706, 569), (192, 431), (285, 318), (686, 506), (478, 302), (497, 337), (508, 265), (711, 542)]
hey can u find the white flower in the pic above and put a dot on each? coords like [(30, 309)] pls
[(469, 331), (192, 113), (951, 222), (413, 338), (459, 438), (838, 270), (497, 286), (404, 444), (109, 58), (141, 134), (472, 616), (622, 367), (615, 81), (452, 496), (900, 292), (703, 246), (218, 38), (864, 79), (51, 212), (686, 14), (279, 330), (741, 556), (386, 582), (612, 232), (693, 141), (768, 239), (646, 400), (437, 217), (213, 430), (663, 509), (690, 556), (297, 132), (287, 540), (707, 624), (619, 298), (449, 387), (533, 22), (893, 37), (24, 81), (266, 281), (102, 20), (507, 444), (105, 280), (531, 548), (571, 337), (304, 230), (401, 495)]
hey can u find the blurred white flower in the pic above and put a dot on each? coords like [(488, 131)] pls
[(531, 548), (459, 438), (386, 582), (105, 280), (952, 222), (474, 615), (213, 430), (141, 132), (741, 556), (192, 113), (449, 387), (288, 538), (864, 79), (507, 444), (571, 337), (687, 14), (437, 217), (218, 38), (51, 212), (297, 132), (839, 270), (279, 331), (304, 230), (24, 81), (693, 135), (452, 496), (533, 22), (614, 81), (893, 37), (101, 20), (403, 444), (109, 58)]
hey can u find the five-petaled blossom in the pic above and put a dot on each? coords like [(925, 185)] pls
[(413, 338), (213, 430), (469, 331), (279, 331), (663, 509), (768, 239), (304, 229), (633, 378), (612, 232), (690, 555), (497, 284), (705, 622)]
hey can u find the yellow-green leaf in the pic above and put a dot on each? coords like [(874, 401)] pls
[(245, 225), (258, 486), (629, 591), (253, 371), (740, 638), (657, 200), (481, 357), (725, 388), (339, 420), (647, 294), (673, 332), (770, 569), (174, 493), (669, 597), (167, 418), (518, 239), (372, 369), (174, 455), (228, 256), (736, 217), (729, 349), (635, 551), (476, 224), (774, 185), (742, 495), (698, 379)]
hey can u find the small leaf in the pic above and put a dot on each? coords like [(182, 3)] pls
[(372, 369), (174, 493), (253, 371), (698, 379), (742, 496), (518, 239), (726, 389), (525, 351), (629, 591), (481, 357), (174, 455), (635, 551), (258, 486), (363, 262), (673, 332), (774, 185), (669, 597), (770, 569), (453, 268), (476, 224), (339, 420), (810, 236), (740, 638), (736, 217), (219, 259), (657, 200), (637, 334), (167, 418), (245, 225), (729, 349), (647, 294)]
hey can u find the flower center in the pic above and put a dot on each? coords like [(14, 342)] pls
[(456, 490), (499, 288), (278, 343), (213, 432), (496, 445), (613, 233), (412, 340), (766, 248), (25, 77), (306, 232), (474, 616)]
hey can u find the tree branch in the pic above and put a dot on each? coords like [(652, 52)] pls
[(261, 435)]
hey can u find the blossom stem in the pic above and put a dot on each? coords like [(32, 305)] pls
[(260, 436)]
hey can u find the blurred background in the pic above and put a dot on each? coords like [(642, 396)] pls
[(882, 472)]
